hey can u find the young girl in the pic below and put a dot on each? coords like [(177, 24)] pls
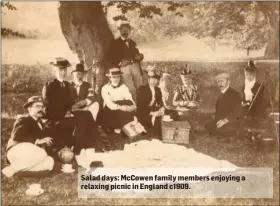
[(253, 93), (186, 96)]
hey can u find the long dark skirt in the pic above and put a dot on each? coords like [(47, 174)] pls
[(115, 119)]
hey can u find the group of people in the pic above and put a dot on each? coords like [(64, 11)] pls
[(69, 114)]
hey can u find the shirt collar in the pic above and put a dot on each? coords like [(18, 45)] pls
[(225, 89), (123, 39), (36, 120), (60, 80), (78, 84)]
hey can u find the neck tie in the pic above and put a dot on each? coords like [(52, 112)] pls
[(62, 84), (126, 42)]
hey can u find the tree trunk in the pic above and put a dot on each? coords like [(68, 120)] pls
[(86, 30), (269, 9)]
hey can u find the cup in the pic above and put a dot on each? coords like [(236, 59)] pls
[(166, 117), (35, 187), (67, 167)]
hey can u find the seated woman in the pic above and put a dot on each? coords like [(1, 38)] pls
[(164, 85), (186, 96), (118, 107), (253, 94), (150, 107)]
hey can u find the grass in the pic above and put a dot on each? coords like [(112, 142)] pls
[(60, 189)]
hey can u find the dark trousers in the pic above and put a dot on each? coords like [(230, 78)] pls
[(78, 131), (226, 130)]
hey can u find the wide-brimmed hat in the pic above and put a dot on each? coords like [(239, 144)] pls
[(114, 72), (222, 76), (32, 100), (60, 62), (79, 68), (251, 67), (153, 74)]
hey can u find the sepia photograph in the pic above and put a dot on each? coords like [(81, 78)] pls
[(140, 103)]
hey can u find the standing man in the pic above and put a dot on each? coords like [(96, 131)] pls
[(82, 92), (124, 54), (75, 127), (228, 108), (26, 147)]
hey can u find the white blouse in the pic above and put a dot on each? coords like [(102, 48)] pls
[(111, 94)]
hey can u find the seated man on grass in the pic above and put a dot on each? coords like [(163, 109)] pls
[(26, 147), (228, 108)]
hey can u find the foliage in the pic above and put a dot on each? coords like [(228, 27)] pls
[(246, 23), (7, 31)]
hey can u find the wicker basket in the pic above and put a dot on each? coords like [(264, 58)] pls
[(177, 132)]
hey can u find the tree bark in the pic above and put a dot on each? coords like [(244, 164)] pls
[(86, 30), (269, 10)]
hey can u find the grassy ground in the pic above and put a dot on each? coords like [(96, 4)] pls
[(60, 188)]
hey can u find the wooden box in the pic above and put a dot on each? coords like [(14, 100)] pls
[(177, 132)]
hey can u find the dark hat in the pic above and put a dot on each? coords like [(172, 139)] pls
[(79, 68), (114, 72), (251, 66), (60, 62), (32, 100), (185, 71), (153, 74)]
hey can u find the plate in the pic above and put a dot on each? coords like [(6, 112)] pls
[(170, 120), (70, 171), (32, 193), (267, 139)]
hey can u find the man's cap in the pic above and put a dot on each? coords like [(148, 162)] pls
[(60, 62), (222, 76), (114, 72), (32, 100)]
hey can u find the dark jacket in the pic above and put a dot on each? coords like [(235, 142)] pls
[(83, 93), (58, 99), (26, 129), (228, 106), (119, 51), (143, 99), (258, 108)]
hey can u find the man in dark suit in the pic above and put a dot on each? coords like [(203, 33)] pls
[(82, 92), (26, 147), (150, 106), (228, 108), (124, 54), (75, 127)]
